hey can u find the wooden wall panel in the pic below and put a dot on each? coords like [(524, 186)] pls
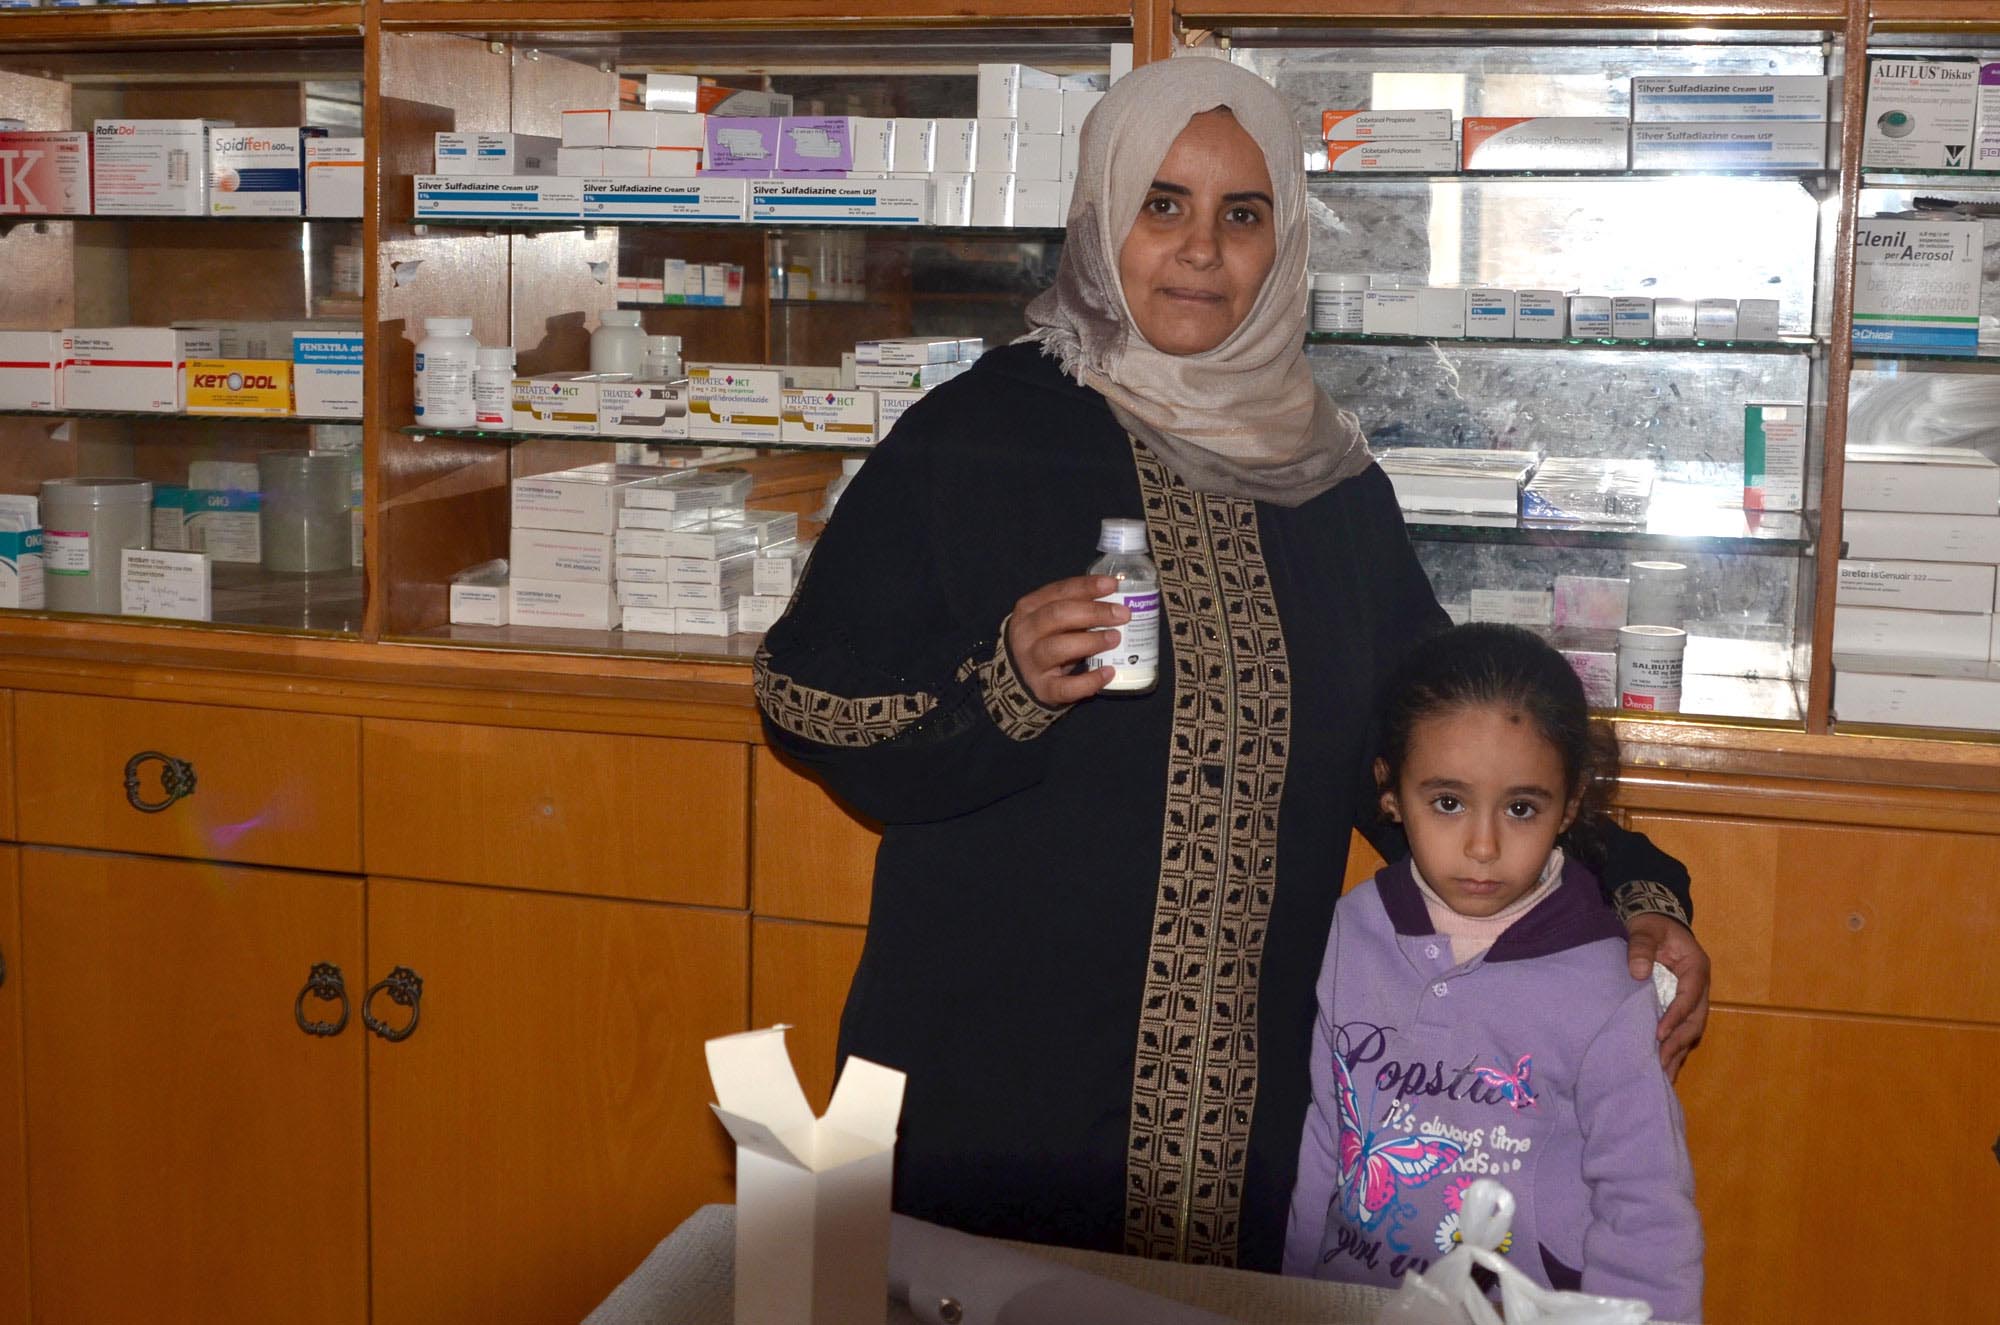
[(799, 974), (812, 860), (13, 1102)]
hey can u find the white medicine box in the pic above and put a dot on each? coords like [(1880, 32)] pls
[(29, 369)]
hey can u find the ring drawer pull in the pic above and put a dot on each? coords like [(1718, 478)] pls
[(403, 986), (176, 781), (323, 982)]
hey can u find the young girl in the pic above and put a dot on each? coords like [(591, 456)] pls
[(1477, 1018)]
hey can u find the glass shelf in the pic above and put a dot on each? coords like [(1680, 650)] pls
[(1825, 176), (16, 218), (159, 416), (1984, 355), (1784, 345), (545, 639), (1889, 179), (1682, 518), (1019, 234), (251, 598)]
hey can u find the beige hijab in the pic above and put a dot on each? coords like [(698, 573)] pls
[(1245, 418)]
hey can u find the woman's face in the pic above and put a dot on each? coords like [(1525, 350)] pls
[(1203, 243)]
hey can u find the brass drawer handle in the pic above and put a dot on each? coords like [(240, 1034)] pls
[(176, 781), (323, 982), (403, 986)]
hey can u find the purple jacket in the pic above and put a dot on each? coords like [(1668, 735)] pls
[(1534, 1064)]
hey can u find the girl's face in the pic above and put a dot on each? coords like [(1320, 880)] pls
[(1483, 797), (1196, 257)]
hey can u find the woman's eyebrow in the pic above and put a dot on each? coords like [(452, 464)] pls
[(1161, 186), (1248, 195)]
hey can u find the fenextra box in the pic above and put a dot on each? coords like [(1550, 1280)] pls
[(1986, 144), (1929, 586), (124, 368), (1668, 98), (1354, 125), (468, 153), (239, 386), (860, 202), (150, 167), (735, 402), (1917, 283), (741, 145), (1944, 480), (175, 585), (30, 372), (44, 173), (1920, 113), (703, 198), (1546, 142), (1774, 457), (1719, 145), (522, 195), (336, 170), (258, 171), (845, 418), (1363, 155), (326, 374)]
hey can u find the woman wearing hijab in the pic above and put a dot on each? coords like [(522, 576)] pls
[(1097, 920)]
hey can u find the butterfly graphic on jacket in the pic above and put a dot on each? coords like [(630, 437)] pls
[(1371, 1171), (1513, 1086)]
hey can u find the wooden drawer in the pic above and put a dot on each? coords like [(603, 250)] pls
[(1874, 920), (269, 788), (813, 860), (799, 974), (569, 812)]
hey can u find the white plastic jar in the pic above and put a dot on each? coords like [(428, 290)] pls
[(1649, 668), (493, 388), (619, 343), (447, 358), (303, 514), (663, 359), (1337, 300), (87, 523)]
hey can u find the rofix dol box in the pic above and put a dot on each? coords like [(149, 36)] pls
[(734, 402), (46, 174), (1546, 142), (150, 167), (258, 171), (30, 371), (124, 368), (1666, 98), (1920, 113)]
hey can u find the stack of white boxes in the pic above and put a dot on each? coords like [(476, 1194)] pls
[(1024, 148), (687, 550), (561, 554), (1913, 634), (1729, 122), (774, 579)]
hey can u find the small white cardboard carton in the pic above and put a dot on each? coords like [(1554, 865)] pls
[(812, 1194)]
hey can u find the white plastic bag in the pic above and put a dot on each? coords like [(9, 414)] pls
[(1447, 1295)]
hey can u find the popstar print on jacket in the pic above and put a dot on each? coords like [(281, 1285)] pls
[(1534, 1063)]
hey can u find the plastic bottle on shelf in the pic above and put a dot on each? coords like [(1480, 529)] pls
[(1136, 658), (619, 344), (663, 359), (493, 388), (447, 358), (780, 272)]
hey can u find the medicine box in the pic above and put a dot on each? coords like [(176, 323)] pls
[(559, 403), (1352, 125), (1944, 480), (1673, 319), (734, 402), (239, 386), (1546, 142), (1929, 586), (1590, 602), (124, 368), (1000, 86), (861, 202), (326, 374), (1541, 315), (257, 171), (150, 167), (1920, 113), (810, 144), (521, 195), (778, 570), (1909, 536), (1927, 701), (173, 585), (1389, 312), (503, 154), (845, 418), (872, 140), (479, 604), (705, 621), (22, 568), (955, 146), (565, 604), (44, 173), (757, 613), (737, 572), (1715, 319), (890, 404), (224, 523), (743, 146), (1713, 145), (1489, 314), (1902, 632), (1757, 319), (1632, 317), (650, 620), (702, 198), (1986, 142), (915, 146), (1519, 607), (30, 370), (1590, 317), (655, 411), (1711, 97), (711, 597), (556, 554), (1774, 457), (1077, 104), (584, 500), (1351, 156), (695, 489), (336, 176), (1917, 283)]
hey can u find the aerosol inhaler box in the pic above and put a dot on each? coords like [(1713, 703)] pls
[(258, 171), (1920, 113), (30, 371), (46, 174), (151, 167), (1917, 283)]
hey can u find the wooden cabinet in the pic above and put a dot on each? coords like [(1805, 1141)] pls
[(13, 1113), (821, 866), (193, 1155), (799, 974), (547, 1122)]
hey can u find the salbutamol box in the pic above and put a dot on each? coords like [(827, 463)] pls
[(1547, 142), (1917, 283), (1920, 113), (860, 202), (1719, 145), (1774, 457), (1353, 125), (702, 198), (734, 402), (843, 417), (326, 374), (1666, 98), (30, 373), (150, 167), (257, 171), (521, 195), (124, 368), (44, 173), (1360, 156), (1928, 586)]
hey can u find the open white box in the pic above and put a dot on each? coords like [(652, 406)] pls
[(812, 1194)]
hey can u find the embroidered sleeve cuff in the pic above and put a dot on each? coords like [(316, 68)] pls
[(1012, 706), (1644, 897)]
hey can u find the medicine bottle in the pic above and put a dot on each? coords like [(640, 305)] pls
[(619, 344), (1136, 657), (447, 357), (663, 359), (493, 388)]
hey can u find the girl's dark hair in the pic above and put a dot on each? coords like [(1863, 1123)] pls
[(1483, 664)]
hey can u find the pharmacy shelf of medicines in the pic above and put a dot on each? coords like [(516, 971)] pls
[(1325, 177), (1783, 345), (1683, 518), (165, 416), (1019, 234), (1983, 356)]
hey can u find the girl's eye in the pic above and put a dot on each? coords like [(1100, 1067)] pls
[(1521, 810), (1446, 804)]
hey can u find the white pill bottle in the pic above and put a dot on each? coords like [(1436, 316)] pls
[(447, 358), (1136, 656)]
